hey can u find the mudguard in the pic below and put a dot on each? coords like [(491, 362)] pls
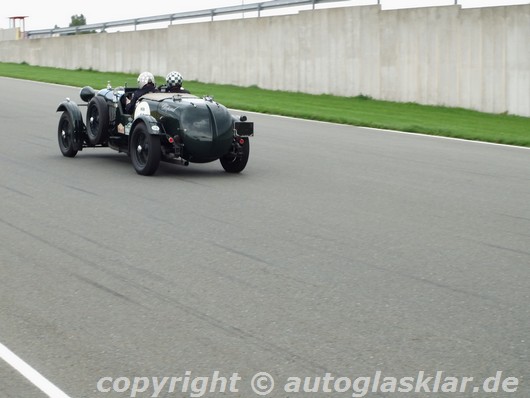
[(77, 118), (150, 122)]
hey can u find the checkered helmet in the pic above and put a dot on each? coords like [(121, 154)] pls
[(144, 78), (174, 79)]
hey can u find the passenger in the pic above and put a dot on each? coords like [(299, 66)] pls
[(146, 84), (174, 82)]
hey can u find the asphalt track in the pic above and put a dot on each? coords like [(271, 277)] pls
[(338, 250)]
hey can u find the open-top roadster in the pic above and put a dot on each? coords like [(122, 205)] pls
[(177, 128)]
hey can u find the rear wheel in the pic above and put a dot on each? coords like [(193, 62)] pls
[(145, 150), (65, 134), (97, 117), (235, 162)]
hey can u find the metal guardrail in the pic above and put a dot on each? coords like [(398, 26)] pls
[(210, 13)]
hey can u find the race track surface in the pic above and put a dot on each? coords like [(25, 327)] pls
[(338, 250)]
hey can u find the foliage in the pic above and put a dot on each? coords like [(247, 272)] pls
[(78, 20)]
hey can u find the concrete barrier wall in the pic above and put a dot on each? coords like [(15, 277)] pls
[(10, 34), (472, 58)]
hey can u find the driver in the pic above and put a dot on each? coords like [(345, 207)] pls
[(174, 82), (146, 84)]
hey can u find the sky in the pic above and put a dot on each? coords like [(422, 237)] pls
[(47, 14)]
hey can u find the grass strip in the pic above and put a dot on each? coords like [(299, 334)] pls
[(357, 111)]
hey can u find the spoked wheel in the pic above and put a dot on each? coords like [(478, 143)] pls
[(145, 151), (97, 117), (65, 134), (235, 162)]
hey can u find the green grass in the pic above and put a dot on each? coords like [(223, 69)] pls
[(358, 111)]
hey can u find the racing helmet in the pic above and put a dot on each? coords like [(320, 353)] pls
[(174, 79), (144, 78)]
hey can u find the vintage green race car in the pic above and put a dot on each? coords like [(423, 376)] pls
[(176, 128)]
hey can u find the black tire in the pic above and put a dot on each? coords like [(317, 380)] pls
[(65, 134), (145, 150), (236, 164), (97, 121)]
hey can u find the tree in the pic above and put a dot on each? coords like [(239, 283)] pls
[(78, 20)]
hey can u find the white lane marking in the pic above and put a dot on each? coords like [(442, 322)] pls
[(424, 135), (31, 374), (442, 137)]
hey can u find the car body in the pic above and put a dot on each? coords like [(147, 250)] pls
[(171, 127)]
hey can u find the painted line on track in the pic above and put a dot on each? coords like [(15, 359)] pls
[(337, 124), (30, 374), (424, 135)]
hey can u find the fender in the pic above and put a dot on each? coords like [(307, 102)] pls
[(150, 122), (77, 118)]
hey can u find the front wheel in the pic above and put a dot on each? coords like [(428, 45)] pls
[(235, 161), (145, 151), (97, 117), (65, 134)]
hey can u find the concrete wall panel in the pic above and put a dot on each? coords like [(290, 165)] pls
[(10, 34)]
